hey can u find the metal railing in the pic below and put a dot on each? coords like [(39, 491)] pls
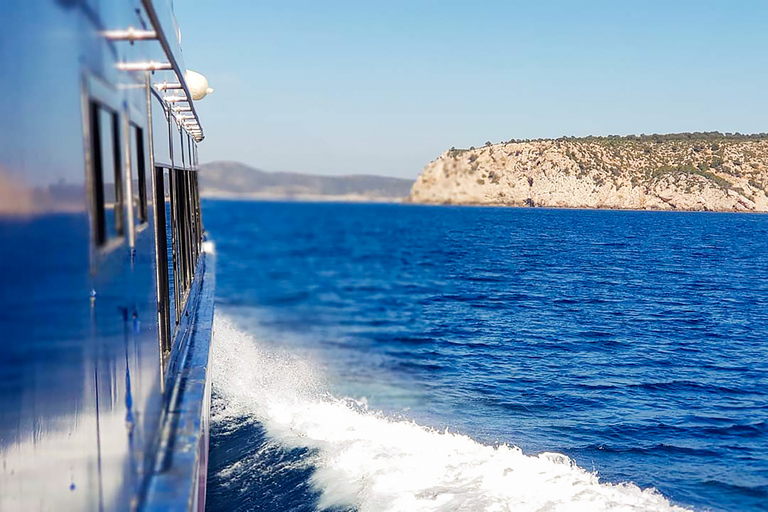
[(186, 116)]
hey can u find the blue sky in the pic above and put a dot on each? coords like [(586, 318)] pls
[(384, 87)]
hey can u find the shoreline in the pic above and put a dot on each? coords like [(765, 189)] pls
[(405, 202), (302, 198), (589, 208)]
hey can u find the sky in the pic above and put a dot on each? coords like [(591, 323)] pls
[(363, 87)]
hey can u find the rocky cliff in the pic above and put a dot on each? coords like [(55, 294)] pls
[(692, 171)]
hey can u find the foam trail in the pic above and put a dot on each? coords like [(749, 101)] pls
[(374, 463)]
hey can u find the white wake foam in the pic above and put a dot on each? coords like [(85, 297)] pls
[(380, 464)]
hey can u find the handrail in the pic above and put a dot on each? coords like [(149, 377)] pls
[(155, 21)]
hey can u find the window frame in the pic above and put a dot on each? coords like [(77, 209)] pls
[(135, 145), (98, 96), (137, 136)]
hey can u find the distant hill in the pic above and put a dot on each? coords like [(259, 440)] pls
[(237, 180), (681, 171)]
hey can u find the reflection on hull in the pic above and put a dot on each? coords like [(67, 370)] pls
[(103, 377)]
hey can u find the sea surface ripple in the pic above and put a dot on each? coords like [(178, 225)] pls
[(356, 343)]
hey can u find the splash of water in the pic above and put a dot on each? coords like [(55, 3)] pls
[(366, 460)]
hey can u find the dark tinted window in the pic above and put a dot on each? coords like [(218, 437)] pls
[(107, 189), (139, 171)]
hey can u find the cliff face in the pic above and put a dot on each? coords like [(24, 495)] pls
[(683, 172)]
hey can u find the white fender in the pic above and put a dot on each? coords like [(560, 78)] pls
[(198, 84)]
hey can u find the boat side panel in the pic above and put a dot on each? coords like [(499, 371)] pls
[(183, 465), (80, 380), (48, 420)]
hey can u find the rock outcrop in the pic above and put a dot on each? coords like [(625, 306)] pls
[(701, 171)]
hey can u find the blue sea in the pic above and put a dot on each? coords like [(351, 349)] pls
[(402, 357)]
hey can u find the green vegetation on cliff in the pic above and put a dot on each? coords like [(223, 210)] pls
[(701, 170), (658, 138)]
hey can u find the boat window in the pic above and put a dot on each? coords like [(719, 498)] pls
[(173, 242), (196, 225), (166, 299), (178, 216), (139, 172), (183, 206), (108, 193)]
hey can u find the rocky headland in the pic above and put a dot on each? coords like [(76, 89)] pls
[(688, 171)]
